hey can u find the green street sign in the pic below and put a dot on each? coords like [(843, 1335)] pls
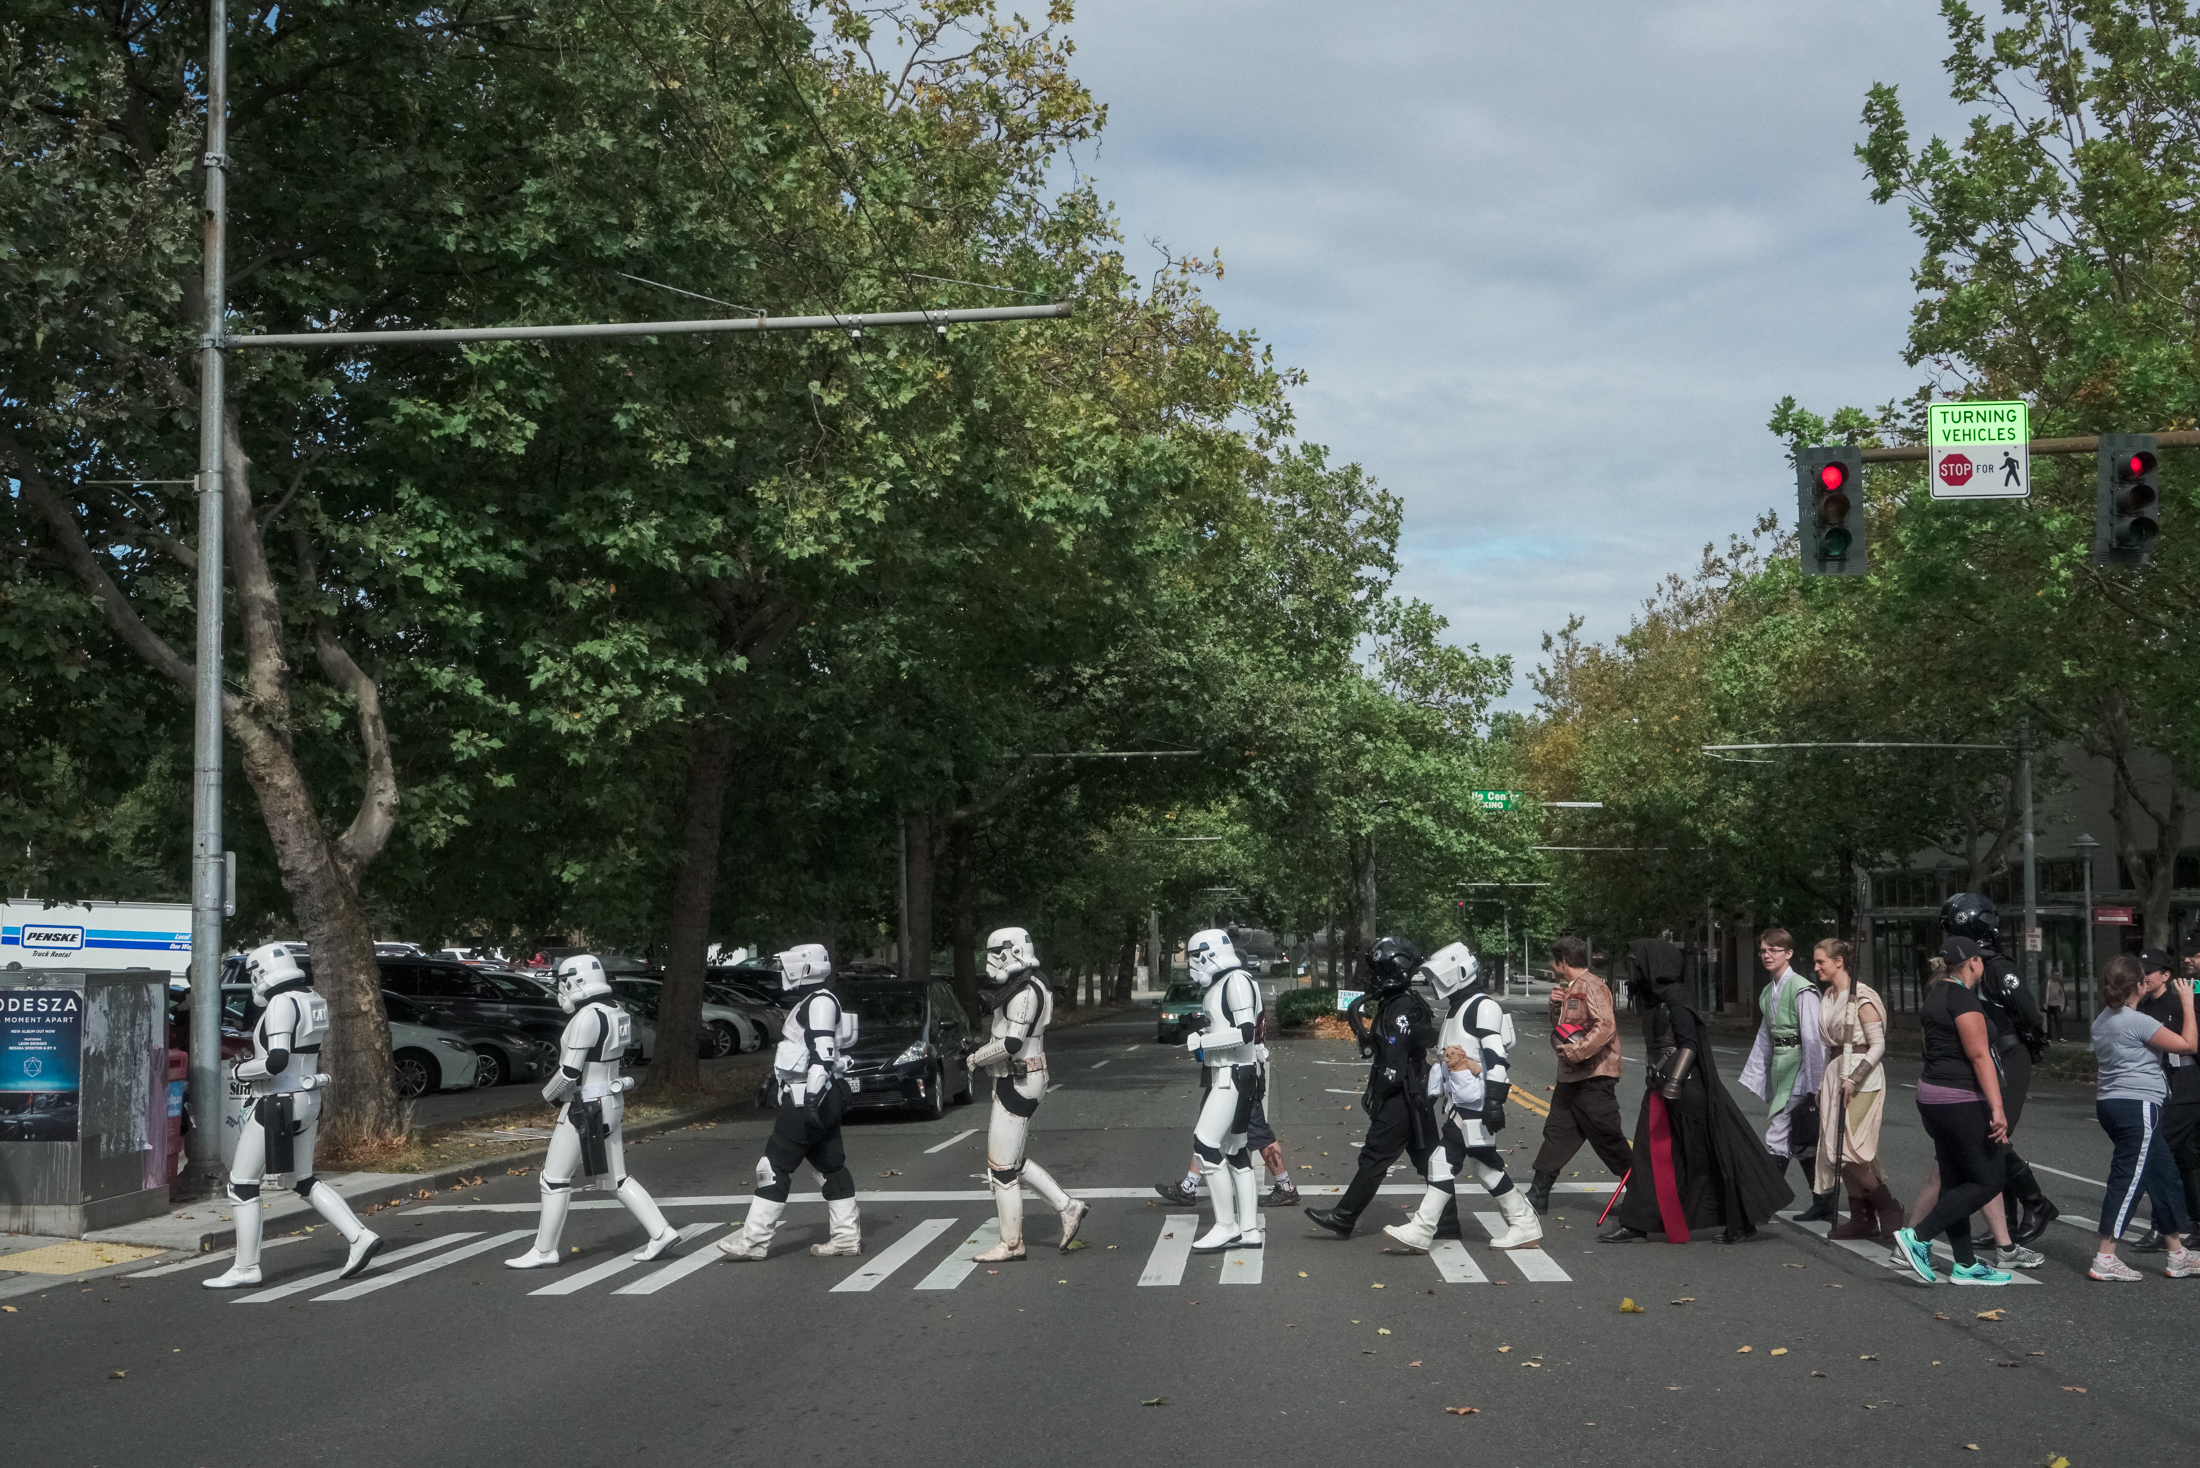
[(1499, 799), (1979, 451)]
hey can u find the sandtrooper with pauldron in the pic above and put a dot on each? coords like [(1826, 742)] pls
[(590, 1095), (1014, 1059), (283, 1114)]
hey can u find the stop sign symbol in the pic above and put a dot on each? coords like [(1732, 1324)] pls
[(1955, 471)]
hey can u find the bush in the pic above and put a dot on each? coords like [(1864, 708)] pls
[(1303, 1006)]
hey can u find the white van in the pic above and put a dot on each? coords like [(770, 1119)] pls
[(97, 935)]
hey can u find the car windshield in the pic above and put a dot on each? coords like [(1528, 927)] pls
[(889, 1007), (518, 989), (1182, 993), (400, 1009)]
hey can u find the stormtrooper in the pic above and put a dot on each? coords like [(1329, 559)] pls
[(809, 1068), (1233, 1081), (1015, 1060), (283, 1114), (590, 1095), (1470, 1082)]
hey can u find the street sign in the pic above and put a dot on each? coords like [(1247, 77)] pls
[(1498, 799), (1979, 451), (2112, 917)]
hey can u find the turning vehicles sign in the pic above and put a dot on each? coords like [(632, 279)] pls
[(1980, 451)]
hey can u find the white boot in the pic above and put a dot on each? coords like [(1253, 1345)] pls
[(662, 1235), (1073, 1218), (1418, 1232), (1008, 1203), (1252, 1233), (547, 1231), (245, 1213), (1224, 1195), (846, 1236), (755, 1239), (1522, 1227), (365, 1244)]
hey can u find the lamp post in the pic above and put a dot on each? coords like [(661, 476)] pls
[(2085, 846)]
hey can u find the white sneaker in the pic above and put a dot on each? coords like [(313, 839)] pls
[(2183, 1264), (2109, 1267), (533, 1259)]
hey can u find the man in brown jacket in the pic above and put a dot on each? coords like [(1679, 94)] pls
[(1585, 1106)]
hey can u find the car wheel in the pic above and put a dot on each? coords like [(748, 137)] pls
[(417, 1073), (724, 1040), (934, 1104), (752, 1038), (489, 1068)]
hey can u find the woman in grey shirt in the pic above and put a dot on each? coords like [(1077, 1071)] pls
[(2132, 1088)]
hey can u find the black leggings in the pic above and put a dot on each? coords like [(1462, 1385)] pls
[(1971, 1171)]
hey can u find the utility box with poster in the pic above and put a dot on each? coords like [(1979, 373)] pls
[(84, 1091)]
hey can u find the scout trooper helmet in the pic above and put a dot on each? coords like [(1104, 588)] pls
[(580, 979), (804, 966), (1452, 969), (269, 965), (1211, 955)]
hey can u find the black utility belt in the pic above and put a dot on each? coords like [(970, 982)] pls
[(1780, 1044)]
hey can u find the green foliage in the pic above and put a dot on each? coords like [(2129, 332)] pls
[(1304, 1006)]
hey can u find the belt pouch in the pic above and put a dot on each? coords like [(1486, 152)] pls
[(588, 1122), (273, 1114)]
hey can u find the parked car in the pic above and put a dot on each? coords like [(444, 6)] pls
[(472, 996), (1181, 1013), (905, 1054), (726, 1031), (425, 1057), (749, 982), (502, 1053)]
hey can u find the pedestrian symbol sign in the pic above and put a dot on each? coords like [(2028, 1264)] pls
[(1498, 799), (1980, 451)]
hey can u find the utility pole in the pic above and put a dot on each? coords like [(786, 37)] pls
[(1157, 971), (204, 1149), (2031, 866), (901, 944)]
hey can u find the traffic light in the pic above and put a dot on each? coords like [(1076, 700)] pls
[(2127, 509), (1829, 485)]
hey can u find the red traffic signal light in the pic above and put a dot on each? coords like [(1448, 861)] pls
[(2126, 507), (1831, 521), (1834, 476)]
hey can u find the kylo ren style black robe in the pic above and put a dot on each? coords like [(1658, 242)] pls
[(1698, 1149)]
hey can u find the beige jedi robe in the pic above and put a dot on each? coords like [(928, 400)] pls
[(1843, 1030)]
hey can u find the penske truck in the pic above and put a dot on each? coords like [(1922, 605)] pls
[(97, 935)]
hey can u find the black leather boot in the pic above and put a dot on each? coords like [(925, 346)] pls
[(1821, 1209), (1336, 1220), (1539, 1191), (2039, 1212)]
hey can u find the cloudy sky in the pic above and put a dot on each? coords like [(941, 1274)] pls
[(1549, 267)]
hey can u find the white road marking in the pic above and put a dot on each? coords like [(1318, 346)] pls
[(328, 1276), (1339, 1091), (1455, 1264), (375, 1282), (677, 1270), (978, 1195), (1132, 1049), (942, 1147), (1056, 1087), (956, 1267), (1242, 1266), (904, 1249), (1532, 1263), (1873, 1250), (574, 1284), (1096, 1065), (2089, 1182), (196, 1260), (1165, 1265)]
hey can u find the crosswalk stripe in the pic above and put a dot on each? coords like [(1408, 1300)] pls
[(951, 1141), (1455, 1264), (574, 1284), (375, 1282), (199, 1261), (1533, 1264), (329, 1276), (1096, 1064), (1242, 1266), (956, 1267), (903, 1249), (1165, 1265), (674, 1272), (975, 1195)]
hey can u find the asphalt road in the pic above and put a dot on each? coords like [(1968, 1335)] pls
[(1313, 1350)]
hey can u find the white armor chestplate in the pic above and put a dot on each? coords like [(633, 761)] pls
[(792, 1059), (1025, 1017), (300, 1019), (598, 1063), (1229, 1002), (1461, 1090)]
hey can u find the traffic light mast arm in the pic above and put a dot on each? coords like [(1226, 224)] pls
[(2183, 438)]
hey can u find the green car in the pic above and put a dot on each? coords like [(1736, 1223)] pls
[(1181, 1013)]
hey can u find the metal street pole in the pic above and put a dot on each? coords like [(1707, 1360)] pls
[(203, 1146), (2031, 865), (2085, 846), (901, 943)]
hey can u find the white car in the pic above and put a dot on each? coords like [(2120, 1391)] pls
[(726, 1029), (426, 1059)]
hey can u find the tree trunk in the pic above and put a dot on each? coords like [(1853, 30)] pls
[(694, 882), (1126, 962), (963, 912), (922, 865), (1362, 915)]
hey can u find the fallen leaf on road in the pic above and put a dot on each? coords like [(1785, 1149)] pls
[(1302, 1273), (1991, 1314), (2058, 1461), (1413, 1363), (1501, 1350), (1970, 1447), (9, 1308), (116, 1375), (1686, 1300), (1382, 1330), (1075, 1244), (1375, 1287), (1779, 1350), (2038, 1353), (1627, 1306), (1745, 1350), (1818, 1373), (1463, 1411), (1867, 1358), (1791, 1266), (1531, 1363), (1153, 1401), (1938, 1316), (895, 1173), (2078, 1389), (1367, 1353)]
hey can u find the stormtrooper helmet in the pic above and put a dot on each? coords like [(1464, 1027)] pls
[(1211, 955), (1390, 964), (1008, 953), (1452, 970), (802, 966), (270, 966), (581, 978)]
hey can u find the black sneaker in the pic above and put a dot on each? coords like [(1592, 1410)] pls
[(1175, 1193), (1282, 1195)]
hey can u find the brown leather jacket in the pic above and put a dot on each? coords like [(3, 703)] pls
[(1586, 1001)]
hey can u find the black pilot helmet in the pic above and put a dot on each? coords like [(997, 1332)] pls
[(1391, 964), (1972, 915)]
